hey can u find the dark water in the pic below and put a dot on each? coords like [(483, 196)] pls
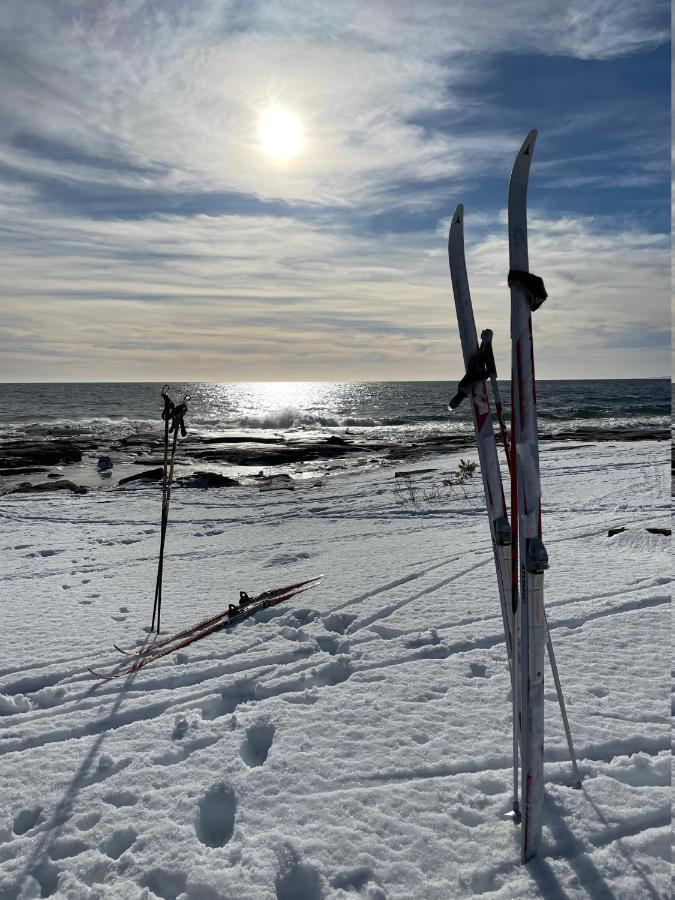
[(406, 409)]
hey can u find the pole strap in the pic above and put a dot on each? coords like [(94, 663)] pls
[(533, 284), (481, 367), (178, 417)]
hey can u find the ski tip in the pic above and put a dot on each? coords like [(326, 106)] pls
[(456, 226), (521, 167), (457, 218), (99, 675), (527, 146)]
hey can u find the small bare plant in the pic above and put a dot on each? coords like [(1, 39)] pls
[(406, 492)]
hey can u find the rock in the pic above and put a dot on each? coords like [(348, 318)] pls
[(19, 454), (148, 475), (55, 475), (28, 470), (135, 440), (104, 463), (281, 482), (651, 529), (207, 480), (27, 488)]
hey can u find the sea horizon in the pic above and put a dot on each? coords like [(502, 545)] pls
[(334, 381)]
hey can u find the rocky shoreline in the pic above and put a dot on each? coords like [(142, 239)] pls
[(54, 459)]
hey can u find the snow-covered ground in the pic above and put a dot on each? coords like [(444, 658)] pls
[(354, 742)]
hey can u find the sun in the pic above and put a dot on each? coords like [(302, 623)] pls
[(280, 132)]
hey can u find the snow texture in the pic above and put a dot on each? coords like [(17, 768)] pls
[(354, 741)]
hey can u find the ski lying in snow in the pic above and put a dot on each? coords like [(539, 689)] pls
[(248, 606), (244, 600), (527, 294)]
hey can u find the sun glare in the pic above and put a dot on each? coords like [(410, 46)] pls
[(280, 132)]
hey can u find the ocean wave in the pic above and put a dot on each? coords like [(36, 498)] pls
[(599, 412), (51, 428), (290, 417)]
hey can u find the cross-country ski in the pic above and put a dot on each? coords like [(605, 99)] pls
[(236, 613)]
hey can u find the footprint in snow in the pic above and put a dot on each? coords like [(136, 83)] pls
[(47, 878), (120, 798), (84, 823), (356, 880), (468, 817), (165, 883), (338, 622), (28, 818), (67, 847), (285, 559), (490, 786), (119, 842), (256, 745), (215, 815), (477, 670), (598, 692), (295, 879)]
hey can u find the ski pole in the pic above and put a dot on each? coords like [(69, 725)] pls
[(491, 368), (563, 710), (167, 414), (177, 425)]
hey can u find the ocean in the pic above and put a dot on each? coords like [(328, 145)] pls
[(405, 410)]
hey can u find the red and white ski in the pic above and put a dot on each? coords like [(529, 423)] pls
[(527, 294), (247, 607)]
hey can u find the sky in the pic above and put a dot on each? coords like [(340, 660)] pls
[(146, 235)]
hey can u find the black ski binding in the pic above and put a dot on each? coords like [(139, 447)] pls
[(533, 284)]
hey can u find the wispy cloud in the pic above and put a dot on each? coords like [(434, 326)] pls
[(142, 228), (195, 295)]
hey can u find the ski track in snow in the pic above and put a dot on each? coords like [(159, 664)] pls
[(354, 741)]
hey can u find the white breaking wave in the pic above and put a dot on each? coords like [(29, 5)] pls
[(290, 417)]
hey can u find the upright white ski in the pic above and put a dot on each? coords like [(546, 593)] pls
[(479, 363), (525, 625), (473, 386), (527, 294)]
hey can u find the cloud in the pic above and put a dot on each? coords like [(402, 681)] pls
[(172, 91), (199, 297), (144, 232), (609, 291)]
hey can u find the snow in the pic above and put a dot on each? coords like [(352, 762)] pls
[(355, 741)]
